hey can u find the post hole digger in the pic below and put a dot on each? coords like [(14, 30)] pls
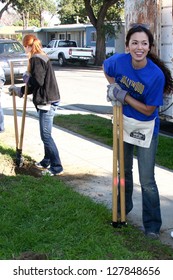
[(118, 176), (18, 138), (118, 167)]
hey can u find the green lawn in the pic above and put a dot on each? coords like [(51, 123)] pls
[(100, 129), (45, 216)]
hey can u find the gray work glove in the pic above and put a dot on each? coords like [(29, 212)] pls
[(115, 102), (26, 77), (16, 90), (115, 93)]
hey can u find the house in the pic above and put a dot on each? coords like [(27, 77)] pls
[(83, 34), (112, 44)]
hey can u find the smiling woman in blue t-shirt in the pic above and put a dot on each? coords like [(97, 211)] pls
[(138, 80)]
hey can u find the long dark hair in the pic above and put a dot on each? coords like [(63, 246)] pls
[(168, 77)]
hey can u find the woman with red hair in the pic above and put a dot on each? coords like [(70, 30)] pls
[(41, 82)]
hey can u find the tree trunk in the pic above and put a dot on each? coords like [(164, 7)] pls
[(41, 18), (4, 8), (98, 23), (25, 17), (100, 47)]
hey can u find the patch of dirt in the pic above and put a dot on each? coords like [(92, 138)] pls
[(8, 167), (28, 168)]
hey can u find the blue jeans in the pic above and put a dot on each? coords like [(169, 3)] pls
[(51, 154), (151, 213)]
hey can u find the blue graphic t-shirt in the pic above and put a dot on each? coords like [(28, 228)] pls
[(145, 84)]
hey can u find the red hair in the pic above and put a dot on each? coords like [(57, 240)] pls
[(32, 41), (35, 44)]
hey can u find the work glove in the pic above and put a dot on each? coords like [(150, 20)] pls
[(115, 93), (26, 77), (16, 90), (115, 102)]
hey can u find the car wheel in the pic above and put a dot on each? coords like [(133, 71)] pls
[(61, 60)]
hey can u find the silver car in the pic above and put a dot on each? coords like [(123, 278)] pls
[(12, 50)]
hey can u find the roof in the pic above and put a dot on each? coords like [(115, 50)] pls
[(61, 27)]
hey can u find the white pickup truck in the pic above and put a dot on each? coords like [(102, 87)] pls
[(67, 50)]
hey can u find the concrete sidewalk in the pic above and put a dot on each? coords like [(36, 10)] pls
[(88, 165)]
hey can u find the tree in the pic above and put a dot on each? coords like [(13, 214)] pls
[(71, 11), (30, 9), (103, 15), (9, 3), (100, 23)]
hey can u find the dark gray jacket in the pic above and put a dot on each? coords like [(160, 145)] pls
[(42, 83)]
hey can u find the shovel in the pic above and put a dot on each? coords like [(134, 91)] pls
[(19, 141), (118, 168)]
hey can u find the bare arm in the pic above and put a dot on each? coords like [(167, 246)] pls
[(139, 106)]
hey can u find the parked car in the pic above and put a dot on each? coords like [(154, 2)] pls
[(67, 51), (12, 50)]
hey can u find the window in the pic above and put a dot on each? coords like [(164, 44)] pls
[(52, 36), (13, 47), (63, 36), (93, 36), (68, 36), (51, 44), (67, 44)]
